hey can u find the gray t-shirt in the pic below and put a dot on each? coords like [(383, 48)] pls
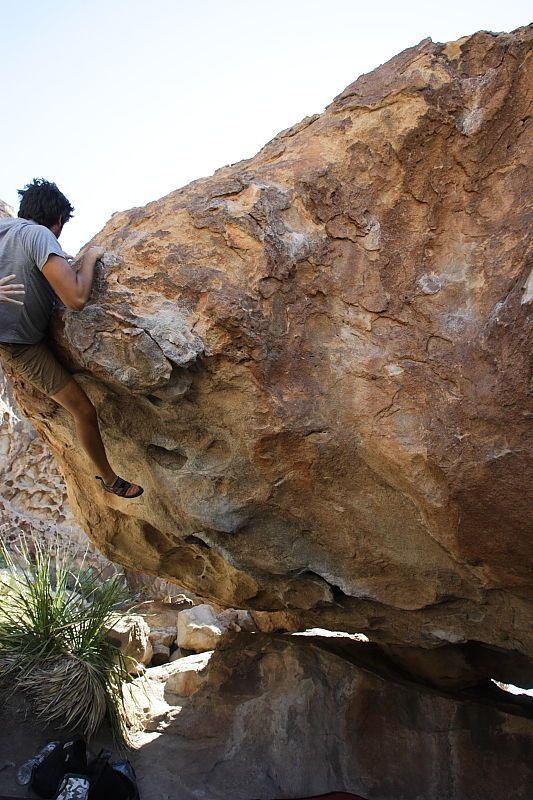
[(24, 250)]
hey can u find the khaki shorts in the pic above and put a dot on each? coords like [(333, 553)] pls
[(35, 363)]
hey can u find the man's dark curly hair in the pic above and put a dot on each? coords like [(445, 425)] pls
[(42, 202)]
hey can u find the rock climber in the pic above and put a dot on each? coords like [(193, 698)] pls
[(34, 272)]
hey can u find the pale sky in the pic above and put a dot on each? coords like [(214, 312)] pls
[(121, 101)]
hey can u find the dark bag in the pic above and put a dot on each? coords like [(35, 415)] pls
[(115, 780), (66, 757), (65, 775)]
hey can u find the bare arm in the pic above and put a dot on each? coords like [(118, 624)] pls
[(72, 284), (8, 291)]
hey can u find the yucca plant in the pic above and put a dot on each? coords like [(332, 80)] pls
[(53, 644)]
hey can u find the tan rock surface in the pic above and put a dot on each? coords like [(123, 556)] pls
[(160, 655), (279, 717), (187, 674), (315, 361), (199, 629), (131, 634), (164, 636)]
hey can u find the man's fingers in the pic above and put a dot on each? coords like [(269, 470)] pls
[(4, 281), (8, 291)]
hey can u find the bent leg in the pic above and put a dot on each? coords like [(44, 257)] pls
[(75, 401), (38, 364)]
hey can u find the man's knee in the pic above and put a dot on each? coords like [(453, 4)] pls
[(73, 398), (86, 411)]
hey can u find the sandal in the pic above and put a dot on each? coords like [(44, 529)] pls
[(120, 487)]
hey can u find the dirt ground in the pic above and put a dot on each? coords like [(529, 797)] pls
[(21, 737)]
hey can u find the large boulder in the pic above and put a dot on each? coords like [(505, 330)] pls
[(280, 717), (316, 363)]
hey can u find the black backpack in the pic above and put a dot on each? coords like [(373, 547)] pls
[(70, 756), (68, 760), (115, 780)]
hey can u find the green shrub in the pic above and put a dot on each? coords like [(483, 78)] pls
[(53, 645)]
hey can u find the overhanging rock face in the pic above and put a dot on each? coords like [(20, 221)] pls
[(316, 361)]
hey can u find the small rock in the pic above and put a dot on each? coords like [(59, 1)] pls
[(165, 636), (187, 678), (130, 633), (198, 628), (177, 654), (161, 654), (236, 619)]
